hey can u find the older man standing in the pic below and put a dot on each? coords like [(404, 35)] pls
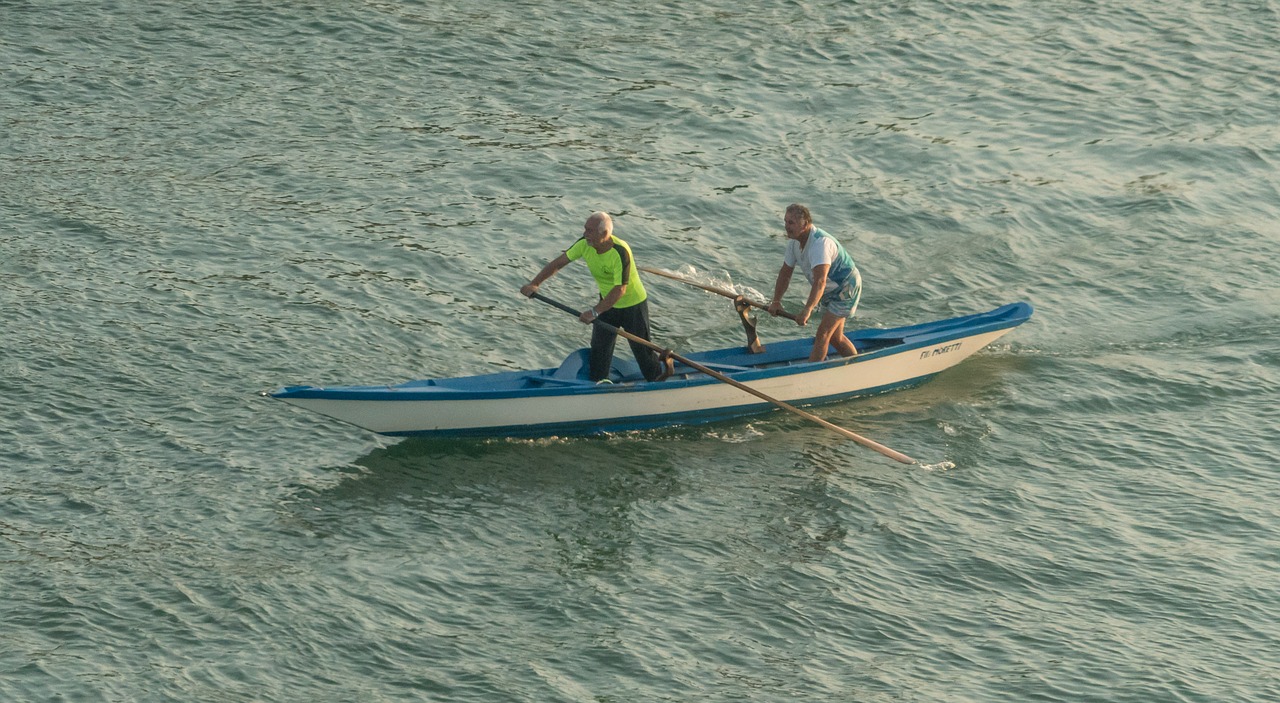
[(834, 281), (623, 301)]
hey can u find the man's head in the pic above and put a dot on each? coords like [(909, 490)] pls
[(797, 220), (599, 227)]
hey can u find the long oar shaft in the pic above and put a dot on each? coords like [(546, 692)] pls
[(712, 289), (891, 453)]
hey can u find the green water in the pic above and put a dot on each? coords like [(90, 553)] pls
[(202, 201)]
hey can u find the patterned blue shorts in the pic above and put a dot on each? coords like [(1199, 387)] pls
[(843, 301)]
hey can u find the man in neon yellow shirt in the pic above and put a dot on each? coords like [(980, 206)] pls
[(623, 302)]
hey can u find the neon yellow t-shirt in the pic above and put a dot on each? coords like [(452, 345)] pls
[(613, 268)]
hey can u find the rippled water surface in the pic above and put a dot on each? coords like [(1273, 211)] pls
[(202, 201)]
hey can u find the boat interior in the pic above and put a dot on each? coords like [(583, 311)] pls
[(574, 369)]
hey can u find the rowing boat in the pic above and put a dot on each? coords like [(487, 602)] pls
[(561, 401)]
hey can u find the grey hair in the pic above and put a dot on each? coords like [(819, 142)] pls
[(802, 211)]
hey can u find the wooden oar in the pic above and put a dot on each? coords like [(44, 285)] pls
[(713, 289), (892, 454)]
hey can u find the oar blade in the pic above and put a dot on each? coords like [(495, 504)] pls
[(712, 289)]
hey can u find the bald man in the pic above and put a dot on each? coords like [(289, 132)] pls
[(623, 301)]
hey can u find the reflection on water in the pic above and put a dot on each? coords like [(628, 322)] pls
[(581, 491)]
